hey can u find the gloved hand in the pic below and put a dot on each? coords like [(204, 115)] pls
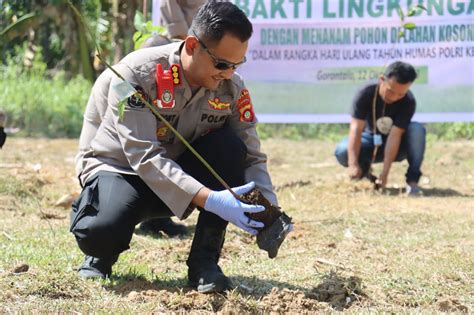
[(224, 204)]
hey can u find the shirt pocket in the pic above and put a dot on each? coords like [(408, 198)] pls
[(163, 132)]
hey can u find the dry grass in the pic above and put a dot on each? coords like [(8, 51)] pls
[(353, 249)]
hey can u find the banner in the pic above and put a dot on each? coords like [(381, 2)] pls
[(307, 59)]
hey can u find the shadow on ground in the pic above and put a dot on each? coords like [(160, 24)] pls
[(428, 192)]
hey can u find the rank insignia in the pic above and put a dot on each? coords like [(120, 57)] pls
[(244, 106), (218, 105), (175, 74)]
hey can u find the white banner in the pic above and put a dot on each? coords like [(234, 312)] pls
[(307, 59)]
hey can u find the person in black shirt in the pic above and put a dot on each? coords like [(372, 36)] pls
[(400, 137)]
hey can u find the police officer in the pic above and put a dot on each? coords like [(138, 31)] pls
[(177, 15), (96, 108), (136, 169)]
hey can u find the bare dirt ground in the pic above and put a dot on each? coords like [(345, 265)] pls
[(353, 249)]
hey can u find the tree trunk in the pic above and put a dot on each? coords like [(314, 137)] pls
[(129, 29), (117, 37)]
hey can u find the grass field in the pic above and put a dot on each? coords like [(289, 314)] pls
[(353, 249)]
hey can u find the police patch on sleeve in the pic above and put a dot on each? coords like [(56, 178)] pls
[(135, 101), (245, 107)]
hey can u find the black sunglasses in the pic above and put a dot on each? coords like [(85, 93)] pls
[(220, 64)]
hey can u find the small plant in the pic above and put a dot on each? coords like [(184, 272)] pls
[(414, 10), (145, 29)]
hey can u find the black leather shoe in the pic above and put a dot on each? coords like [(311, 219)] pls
[(165, 225), (94, 268)]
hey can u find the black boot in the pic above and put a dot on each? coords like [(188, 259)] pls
[(203, 271), (165, 225), (93, 267)]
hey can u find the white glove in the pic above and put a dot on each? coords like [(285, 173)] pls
[(224, 204)]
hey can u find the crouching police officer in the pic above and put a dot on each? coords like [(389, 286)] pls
[(136, 169), (95, 111)]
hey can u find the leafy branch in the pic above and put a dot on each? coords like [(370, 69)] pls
[(414, 10), (145, 29)]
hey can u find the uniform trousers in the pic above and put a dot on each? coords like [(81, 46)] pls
[(104, 216), (412, 148)]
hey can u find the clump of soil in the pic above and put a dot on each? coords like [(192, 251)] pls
[(286, 300), (177, 301), (452, 305), (271, 212), (21, 268), (277, 224), (338, 291)]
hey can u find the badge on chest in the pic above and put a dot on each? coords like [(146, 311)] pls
[(166, 80)]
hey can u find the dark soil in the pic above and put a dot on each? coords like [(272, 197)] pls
[(271, 212)]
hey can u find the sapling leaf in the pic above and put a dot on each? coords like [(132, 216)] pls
[(401, 34), (139, 22), (416, 9), (422, 7), (121, 109), (137, 35), (400, 14), (409, 26), (149, 26)]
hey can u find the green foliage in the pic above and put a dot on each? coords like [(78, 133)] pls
[(19, 27), (451, 131), (409, 26), (145, 29), (414, 10), (335, 132), (332, 132), (40, 105), (121, 109)]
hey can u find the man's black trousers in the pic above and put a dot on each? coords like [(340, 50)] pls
[(104, 216)]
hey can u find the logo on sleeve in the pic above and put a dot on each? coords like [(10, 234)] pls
[(245, 107), (218, 105), (135, 101)]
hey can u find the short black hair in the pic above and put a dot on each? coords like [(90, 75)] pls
[(217, 18), (402, 72)]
